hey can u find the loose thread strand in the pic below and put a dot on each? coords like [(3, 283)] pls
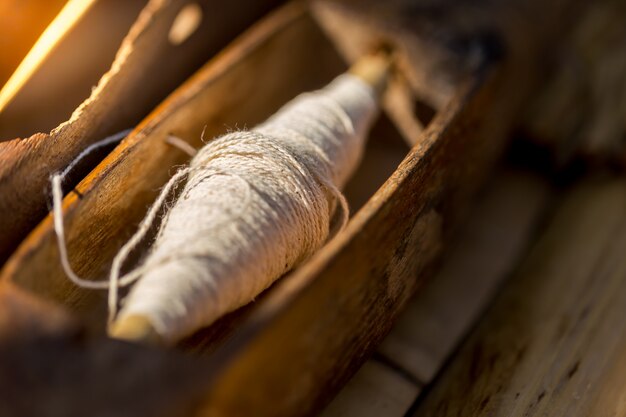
[(57, 180), (115, 281)]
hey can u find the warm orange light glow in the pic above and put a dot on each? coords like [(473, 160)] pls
[(65, 20)]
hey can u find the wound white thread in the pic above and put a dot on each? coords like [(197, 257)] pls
[(255, 205)]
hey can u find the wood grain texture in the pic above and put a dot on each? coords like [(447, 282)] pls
[(485, 252), (24, 317), (122, 97), (554, 342)]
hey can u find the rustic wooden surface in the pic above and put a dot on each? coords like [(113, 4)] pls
[(313, 330), (121, 99), (24, 316), (484, 253), (499, 230), (554, 343)]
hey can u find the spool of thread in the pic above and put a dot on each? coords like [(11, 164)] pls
[(255, 204)]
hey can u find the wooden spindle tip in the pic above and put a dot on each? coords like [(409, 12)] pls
[(374, 69), (137, 329)]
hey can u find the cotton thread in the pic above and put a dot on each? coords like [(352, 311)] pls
[(255, 204), (57, 180)]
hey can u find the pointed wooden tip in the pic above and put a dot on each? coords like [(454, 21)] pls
[(374, 69), (136, 329)]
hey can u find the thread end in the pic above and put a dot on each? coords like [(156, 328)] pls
[(137, 329)]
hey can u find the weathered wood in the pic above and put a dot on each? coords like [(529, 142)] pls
[(24, 317), (554, 343), (291, 344), (488, 248), (484, 252), (120, 100), (60, 375)]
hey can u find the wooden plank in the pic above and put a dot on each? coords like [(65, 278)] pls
[(121, 99), (485, 252), (375, 390), (554, 343)]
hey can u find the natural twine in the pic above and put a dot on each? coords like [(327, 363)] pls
[(255, 204)]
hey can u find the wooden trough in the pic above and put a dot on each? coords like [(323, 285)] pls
[(451, 105)]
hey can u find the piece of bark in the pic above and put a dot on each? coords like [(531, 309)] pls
[(554, 342), (123, 96)]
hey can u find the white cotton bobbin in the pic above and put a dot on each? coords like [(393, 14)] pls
[(255, 204)]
